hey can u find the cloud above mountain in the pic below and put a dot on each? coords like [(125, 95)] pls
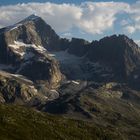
[(88, 17), (135, 17)]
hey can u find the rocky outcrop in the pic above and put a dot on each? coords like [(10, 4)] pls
[(44, 71), (15, 88)]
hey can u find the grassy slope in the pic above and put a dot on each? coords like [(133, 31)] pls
[(105, 107), (20, 123)]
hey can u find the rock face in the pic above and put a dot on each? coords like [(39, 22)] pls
[(15, 88), (25, 45), (32, 30), (78, 47), (119, 52), (115, 55), (111, 58)]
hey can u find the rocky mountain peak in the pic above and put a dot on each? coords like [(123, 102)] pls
[(24, 45), (122, 39), (31, 30), (118, 51), (32, 17)]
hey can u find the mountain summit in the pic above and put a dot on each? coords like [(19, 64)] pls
[(23, 46), (118, 52), (32, 30)]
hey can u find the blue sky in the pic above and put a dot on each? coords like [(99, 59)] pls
[(78, 18), (6, 2)]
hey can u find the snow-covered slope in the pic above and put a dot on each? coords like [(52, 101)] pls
[(80, 68), (64, 57)]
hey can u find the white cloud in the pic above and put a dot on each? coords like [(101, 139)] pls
[(100, 16), (89, 17), (67, 35), (129, 29), (61, 17), (134, 17)]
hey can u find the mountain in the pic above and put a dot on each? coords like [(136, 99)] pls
[(31, 30), (97, 81), (120, 53), (23, 46), (116, 56)]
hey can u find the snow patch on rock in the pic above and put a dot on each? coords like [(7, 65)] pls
[(75, 82), (65, 57), (22, 49)]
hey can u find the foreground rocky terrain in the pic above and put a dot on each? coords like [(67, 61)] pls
[(96, 82)]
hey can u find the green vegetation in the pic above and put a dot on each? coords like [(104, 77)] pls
[(20, 123)]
